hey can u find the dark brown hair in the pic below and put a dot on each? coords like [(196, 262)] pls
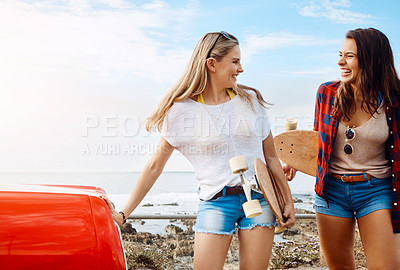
[(378, 78)]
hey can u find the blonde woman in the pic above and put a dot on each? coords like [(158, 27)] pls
[(209, 118)]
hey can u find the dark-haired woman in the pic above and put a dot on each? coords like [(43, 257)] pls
[(358, 176)]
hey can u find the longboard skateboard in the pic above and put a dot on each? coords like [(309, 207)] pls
[(271, 191), (264, 182), (298, 149)]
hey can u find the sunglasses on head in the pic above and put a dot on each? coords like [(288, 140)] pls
[(350, 134), (222, 33)]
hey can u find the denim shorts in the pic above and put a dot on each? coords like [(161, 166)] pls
[(355, 199), (224, 214)]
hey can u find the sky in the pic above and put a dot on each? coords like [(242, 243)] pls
[(78, 77)]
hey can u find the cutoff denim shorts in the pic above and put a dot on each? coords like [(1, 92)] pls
[(354, 200), (224, 214)]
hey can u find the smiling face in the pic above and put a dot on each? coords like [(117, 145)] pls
[(227, 70), (348, 62)]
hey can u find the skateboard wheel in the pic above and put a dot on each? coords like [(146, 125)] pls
[(252, 208), (290, 124), (238, 164)]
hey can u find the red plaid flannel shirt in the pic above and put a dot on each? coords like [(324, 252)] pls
[(326, 125)]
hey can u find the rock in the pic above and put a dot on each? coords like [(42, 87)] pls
[(171, 204), (295, 200), (128, 229), (179, 245), (139, 221), (173, 229), (186, 250), (147, 205), (189, 223), (291, 232), (149, 242)]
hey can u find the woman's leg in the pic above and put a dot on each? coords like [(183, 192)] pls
[(397, 247), (255, 247), (210, 250), (379, 241), (336, 236)]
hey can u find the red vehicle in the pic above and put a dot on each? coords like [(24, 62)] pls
[(57, 227)]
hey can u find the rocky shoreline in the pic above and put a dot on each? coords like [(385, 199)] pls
[(174, 250)]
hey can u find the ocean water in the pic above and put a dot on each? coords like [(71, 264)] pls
[(173, 192)]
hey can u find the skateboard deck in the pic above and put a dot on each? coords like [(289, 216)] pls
[(270, 189), (298, 149)]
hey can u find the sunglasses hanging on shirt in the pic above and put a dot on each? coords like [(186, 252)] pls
[(350, 134)]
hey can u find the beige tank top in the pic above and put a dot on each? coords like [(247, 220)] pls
[(368, 144)]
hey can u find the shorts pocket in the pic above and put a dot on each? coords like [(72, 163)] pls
[(374, 182), (320, 202), (256, 195), (215, 200)]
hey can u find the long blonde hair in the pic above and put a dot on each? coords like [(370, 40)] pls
[(194, 80)]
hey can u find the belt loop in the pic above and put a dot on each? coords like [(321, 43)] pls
[(365, 177), (224, 192)]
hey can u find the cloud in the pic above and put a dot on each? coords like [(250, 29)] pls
[(336, 11), (103, 38), (332, 72), (254, 44), (63, 59)]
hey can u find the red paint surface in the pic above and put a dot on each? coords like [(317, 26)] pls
[(57, 227)]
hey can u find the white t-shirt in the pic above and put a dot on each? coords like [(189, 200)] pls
[(209, 135)]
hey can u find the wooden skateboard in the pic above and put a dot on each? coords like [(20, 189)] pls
[(263, 181), (298, 149), (271, 191)]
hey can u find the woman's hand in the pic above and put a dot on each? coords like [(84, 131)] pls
[(289, 172), (289, 214), (116, 216)]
